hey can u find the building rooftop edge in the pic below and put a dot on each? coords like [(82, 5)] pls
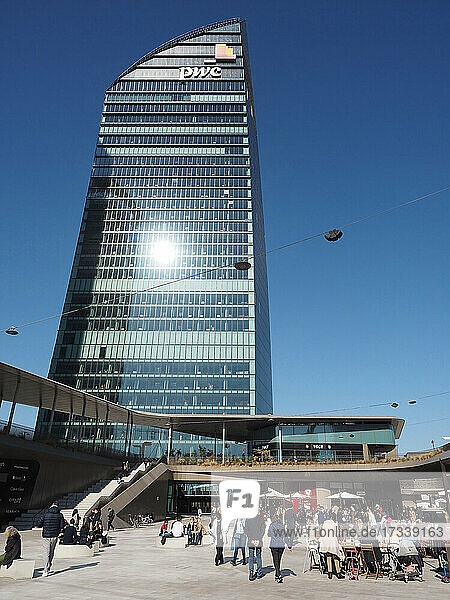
[(176, 40)]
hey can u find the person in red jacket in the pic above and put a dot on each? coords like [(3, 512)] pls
[(164, 528)]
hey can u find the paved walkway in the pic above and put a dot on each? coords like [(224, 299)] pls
[(134, 568)]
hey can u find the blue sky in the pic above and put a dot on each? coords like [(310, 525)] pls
[(352, 111)]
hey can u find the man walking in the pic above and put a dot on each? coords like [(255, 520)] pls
[(111, 515), (238, 540), (290, 519), (52, 523), (254, 530)]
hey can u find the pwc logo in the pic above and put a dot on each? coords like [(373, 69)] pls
[(200, 72)]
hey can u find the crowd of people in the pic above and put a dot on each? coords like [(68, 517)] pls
[(281, 527), (330, 530), (249, 534), (244, 534), (55, 529), (193, 531)]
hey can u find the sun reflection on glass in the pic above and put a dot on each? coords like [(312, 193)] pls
[(163, 252)]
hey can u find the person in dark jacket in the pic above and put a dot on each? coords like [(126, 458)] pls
[(290, 519), (52, 523), (217, 533), (278, 540), (70, 536), (76, 517), (111, 515), (13, 547), (254, 529), (85, 535), (96, 517)]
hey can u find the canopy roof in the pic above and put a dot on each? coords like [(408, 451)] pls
[(22, 387)]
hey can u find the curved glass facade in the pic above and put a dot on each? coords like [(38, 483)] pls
[(174, 195)]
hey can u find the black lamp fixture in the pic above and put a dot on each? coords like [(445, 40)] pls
[(394, 405), (12, 331), (242, 265), (333, 235), (412, 402)]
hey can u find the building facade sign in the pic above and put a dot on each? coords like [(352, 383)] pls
[(200, 72), (17, 479)]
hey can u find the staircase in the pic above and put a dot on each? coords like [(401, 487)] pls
[(84, 501), (104, 490), (126, 498), (25, 520)]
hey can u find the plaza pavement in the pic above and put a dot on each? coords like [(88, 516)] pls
[(134, 568)]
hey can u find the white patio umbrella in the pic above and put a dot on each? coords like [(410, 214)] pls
[(299, 496), (273, 494), (344, 496)]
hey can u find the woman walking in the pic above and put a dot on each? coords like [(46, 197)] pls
[(216, 531), (331, 549), (278, 541)]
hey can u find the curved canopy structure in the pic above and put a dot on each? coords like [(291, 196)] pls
[(21, 387)]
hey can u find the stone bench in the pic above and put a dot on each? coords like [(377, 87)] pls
[(180, 542), (73, 551), (22, 568), (172, 542)]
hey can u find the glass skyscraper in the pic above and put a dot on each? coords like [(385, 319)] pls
[(174, 194)]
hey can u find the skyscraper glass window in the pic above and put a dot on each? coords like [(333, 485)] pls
[(174, 194)]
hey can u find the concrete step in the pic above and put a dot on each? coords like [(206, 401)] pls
[(82, 501)]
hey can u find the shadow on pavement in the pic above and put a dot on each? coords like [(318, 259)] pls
[(72, 568), (284, 572)]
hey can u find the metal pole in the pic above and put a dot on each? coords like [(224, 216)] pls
[(36, 432), (105, 424), (70, 420), (223, 443), (169, 442), (13, 405), (126, 432), (131, 433), (96, 425), (444, 481), (82, 424), (280, 447), (52, 414)]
